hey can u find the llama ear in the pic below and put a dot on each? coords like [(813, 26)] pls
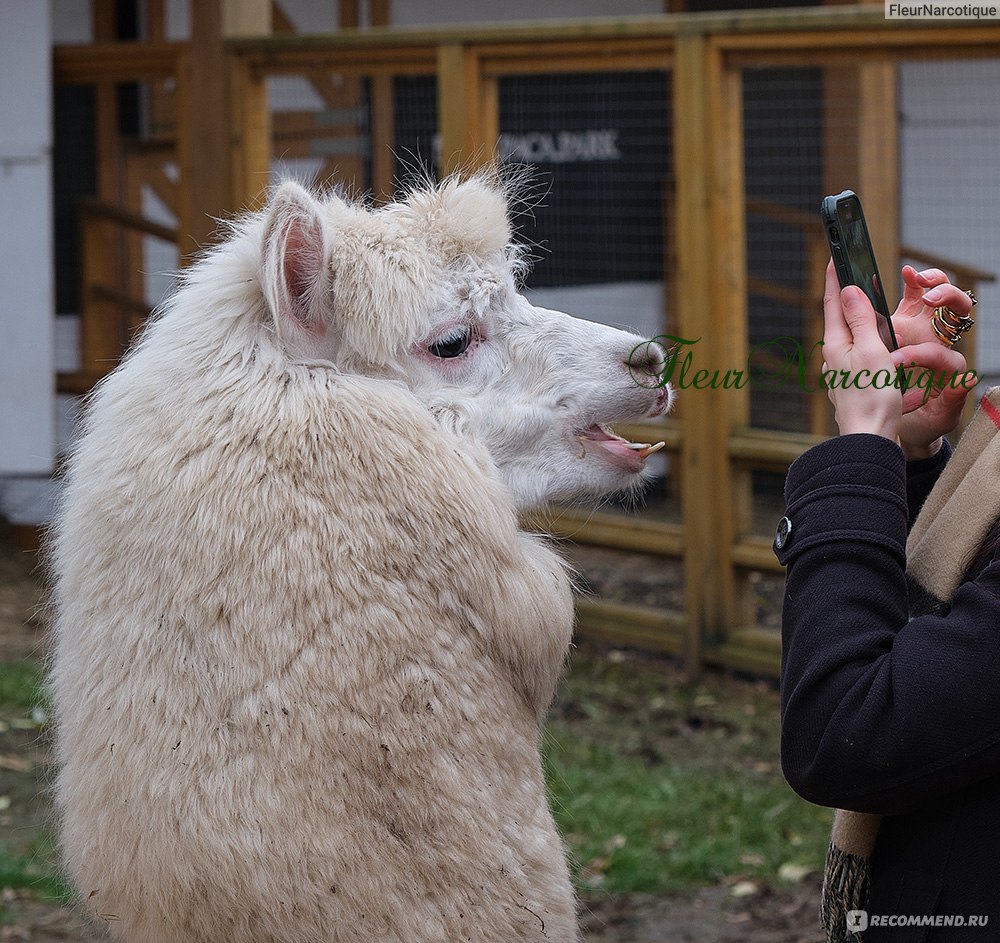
[(294, 273)]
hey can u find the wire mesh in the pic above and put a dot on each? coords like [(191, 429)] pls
[(783, 168)]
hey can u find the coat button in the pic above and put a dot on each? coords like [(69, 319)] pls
[(782, 532)]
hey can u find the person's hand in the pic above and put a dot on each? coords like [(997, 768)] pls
[(922, 293), (859, 367), (939, 384)]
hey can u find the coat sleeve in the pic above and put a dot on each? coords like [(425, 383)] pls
[(879, 714)]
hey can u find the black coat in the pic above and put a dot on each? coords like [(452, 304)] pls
[(881, 714)]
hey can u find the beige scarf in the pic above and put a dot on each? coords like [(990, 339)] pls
[(950, 528)]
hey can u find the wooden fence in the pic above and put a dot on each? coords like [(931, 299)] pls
[(714, 447)]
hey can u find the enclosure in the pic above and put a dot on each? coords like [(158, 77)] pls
[(678, 165)]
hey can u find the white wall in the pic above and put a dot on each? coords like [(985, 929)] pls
[(71, 21), (27, 414), (321, 16), (950, 175), (454, 12)]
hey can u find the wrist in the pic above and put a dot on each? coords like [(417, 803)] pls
[(915, 452), (888, 430)]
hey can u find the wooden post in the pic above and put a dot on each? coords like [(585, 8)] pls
[(383, 108), (251, 135), (861, 152), (206, 115), (102, 338), (468, 110), (712, 282)]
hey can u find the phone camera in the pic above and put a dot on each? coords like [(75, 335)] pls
[(834, 234)]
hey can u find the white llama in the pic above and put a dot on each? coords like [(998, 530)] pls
[(302, 649)]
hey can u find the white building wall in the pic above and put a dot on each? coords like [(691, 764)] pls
[(27, 414), (950, 175), (321, 16)]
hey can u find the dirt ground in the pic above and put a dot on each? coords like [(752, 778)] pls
[(725, 913)]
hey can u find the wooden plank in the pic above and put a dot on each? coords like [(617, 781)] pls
[(102, 339), (524, 59), (756, 553), (466, 111), (764, 448), (729, 300), (699, 463), (752, 650), (747, 27), (877, 180), (214, 179), (380, 12), (653, 630), (348, 16), (383, 138), (107, 138), (346, 61), (251, 136), (98, 210), (877, 38), (115, 62), (967, 273), (610, 530), (160, 101), (104, 20)]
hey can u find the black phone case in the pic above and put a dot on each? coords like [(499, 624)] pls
[(829, 212)]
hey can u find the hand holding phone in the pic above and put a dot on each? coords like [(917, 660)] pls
[(853, 257)]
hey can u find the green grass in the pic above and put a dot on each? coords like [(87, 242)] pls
[(657, 784), (34, 869), (20, 686), (638, 828), (27, 853)]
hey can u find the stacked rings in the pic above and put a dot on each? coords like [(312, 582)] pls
[(949, 326)]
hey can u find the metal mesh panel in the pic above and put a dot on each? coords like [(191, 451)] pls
[(599, 205), (783, 170), (599, 145)]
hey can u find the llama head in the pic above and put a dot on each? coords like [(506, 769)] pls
[(424, 291)]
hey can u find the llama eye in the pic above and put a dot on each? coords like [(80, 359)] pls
[(452, 345)]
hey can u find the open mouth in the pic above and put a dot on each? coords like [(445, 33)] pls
[(631, 455)]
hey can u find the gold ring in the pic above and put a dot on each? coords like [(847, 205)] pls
[(949, 326)]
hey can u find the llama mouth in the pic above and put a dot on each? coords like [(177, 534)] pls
[(632, 455)]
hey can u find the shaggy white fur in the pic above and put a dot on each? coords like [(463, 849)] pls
[(302, 649)]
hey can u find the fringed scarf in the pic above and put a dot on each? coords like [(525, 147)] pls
[(949, 530)]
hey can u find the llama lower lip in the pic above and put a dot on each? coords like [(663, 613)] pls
[(630, 455)]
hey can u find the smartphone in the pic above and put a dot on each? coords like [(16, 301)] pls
[(853, 258)]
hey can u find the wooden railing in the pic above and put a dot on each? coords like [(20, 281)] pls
[(110, 314), (712, 447)]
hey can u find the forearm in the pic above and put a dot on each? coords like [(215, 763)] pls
[(870, 717)]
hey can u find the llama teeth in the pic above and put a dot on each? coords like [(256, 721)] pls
[(650, 449), (638, 446)]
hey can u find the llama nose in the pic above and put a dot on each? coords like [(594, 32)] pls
[(646, 362)]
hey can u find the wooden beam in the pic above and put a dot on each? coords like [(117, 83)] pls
[(210, 184), (348, 15), (251, 135), (383, 138), (653, 630), (380, 12), (703, 566), (115, 62), (468, 110)]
